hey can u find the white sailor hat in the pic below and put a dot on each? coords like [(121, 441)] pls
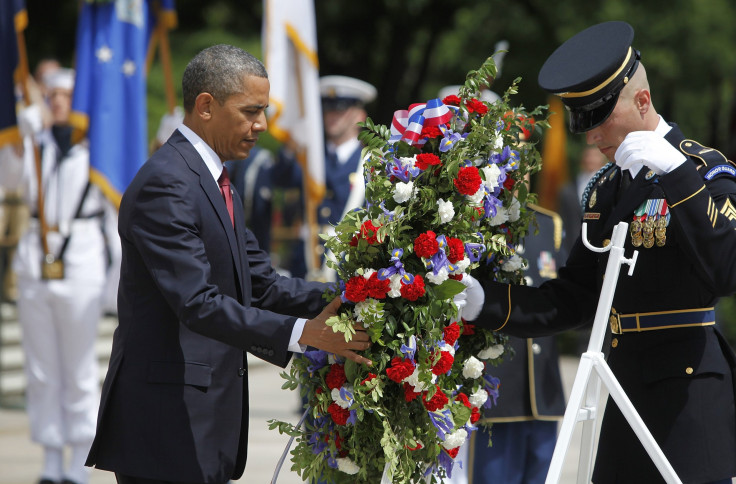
[(61, 78), (342, 92), (485, 95)]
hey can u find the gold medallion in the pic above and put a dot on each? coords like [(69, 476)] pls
[(648, 242), (661, 241), (636, 240), (635, 227)]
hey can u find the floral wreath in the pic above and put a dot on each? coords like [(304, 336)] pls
[(445, 195)]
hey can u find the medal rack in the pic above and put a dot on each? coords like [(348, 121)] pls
[(593, 370)]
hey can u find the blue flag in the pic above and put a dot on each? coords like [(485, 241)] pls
[(109, 103), (13, 19)]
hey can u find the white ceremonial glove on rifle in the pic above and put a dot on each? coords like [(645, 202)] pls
[(169, 122), (473, 298), (650, 149)]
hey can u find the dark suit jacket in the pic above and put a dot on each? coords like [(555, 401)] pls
[(194, 295)]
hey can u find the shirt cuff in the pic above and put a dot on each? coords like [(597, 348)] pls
[(296, 334)]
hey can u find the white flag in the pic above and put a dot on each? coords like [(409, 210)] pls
[(295, 111)]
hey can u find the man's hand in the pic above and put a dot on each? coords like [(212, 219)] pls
[(317, 334), (650, 149)]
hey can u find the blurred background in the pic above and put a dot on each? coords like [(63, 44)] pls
[(409, 50)]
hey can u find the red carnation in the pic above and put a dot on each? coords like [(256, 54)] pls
[(400, 369), (377, 288), (468, 180), (451, 333), (451, 100), (437, 401), (336, 376), (468, 328), (444, 364), (426, 159), (370, 377), (508, 184), (463, 398), (426, 245), (369, 232), (475, 106), (453, 452), (409, 393), (339, 415), (457, 249), (430, 132), (457, 277), (356, 289), (475, 415), (413, 291)]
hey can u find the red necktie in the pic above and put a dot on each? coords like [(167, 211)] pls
[(227, 194)]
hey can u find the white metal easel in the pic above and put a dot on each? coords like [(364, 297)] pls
[(583, 403)]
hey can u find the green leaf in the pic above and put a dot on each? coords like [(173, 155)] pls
[(448, 289)]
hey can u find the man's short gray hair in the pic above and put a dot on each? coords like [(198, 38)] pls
[(218, 70)]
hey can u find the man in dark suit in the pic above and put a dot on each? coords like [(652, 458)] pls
[(196, 292), (678, 198)]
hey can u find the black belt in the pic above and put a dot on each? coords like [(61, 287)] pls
[(683, 318)]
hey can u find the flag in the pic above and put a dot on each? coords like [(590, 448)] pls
[(13, 19), (109, 101), (295, 117), (554, 156)]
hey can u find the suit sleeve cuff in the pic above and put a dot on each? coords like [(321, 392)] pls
[(296, 334)]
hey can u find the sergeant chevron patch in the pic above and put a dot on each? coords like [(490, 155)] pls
[(729, 210)]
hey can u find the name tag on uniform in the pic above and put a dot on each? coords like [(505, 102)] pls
[(591, 216)]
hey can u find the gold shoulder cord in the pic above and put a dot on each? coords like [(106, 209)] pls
[(509, 313)]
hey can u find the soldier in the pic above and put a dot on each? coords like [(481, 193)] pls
[(678, 198)]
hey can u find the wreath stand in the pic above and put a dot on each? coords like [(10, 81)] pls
[(583, 403)]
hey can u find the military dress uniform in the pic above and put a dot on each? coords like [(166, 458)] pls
[(666, 352), (532, 400)]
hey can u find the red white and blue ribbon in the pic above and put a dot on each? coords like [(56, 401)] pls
[(407, 125)]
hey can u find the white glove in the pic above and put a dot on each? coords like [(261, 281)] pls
[(461, 299), (30, 121), (650, 149), (474, 298), (169, 122)]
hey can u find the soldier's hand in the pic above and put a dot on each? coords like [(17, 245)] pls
[(650, 149), (317, 334)]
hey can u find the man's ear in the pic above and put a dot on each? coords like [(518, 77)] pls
[(203, 105), (643, 100)]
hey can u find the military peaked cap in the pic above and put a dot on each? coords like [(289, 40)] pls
[(589, 71)]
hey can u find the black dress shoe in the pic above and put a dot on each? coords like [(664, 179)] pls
[(47, 481)]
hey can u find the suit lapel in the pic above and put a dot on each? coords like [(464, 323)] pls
[(213, 194)]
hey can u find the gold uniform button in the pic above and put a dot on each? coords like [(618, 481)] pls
[(606, 242), (614, 342), (689, 370)]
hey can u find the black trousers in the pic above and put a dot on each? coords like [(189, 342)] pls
[(123, 479)]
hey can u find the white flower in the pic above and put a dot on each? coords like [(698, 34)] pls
[(343, 402), (446, 210), (491, 174), (498, 144), (368, 273), (367, 311), (408, 162), (395, 286), (413, 380), (478, 398), (403, 191), (477, 197), (513, 263), (473, 368), (445, 347), (502, 216), (491, 353), (461, 265), (514, 210), (438, 278), (346, 465), (455, 439)]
